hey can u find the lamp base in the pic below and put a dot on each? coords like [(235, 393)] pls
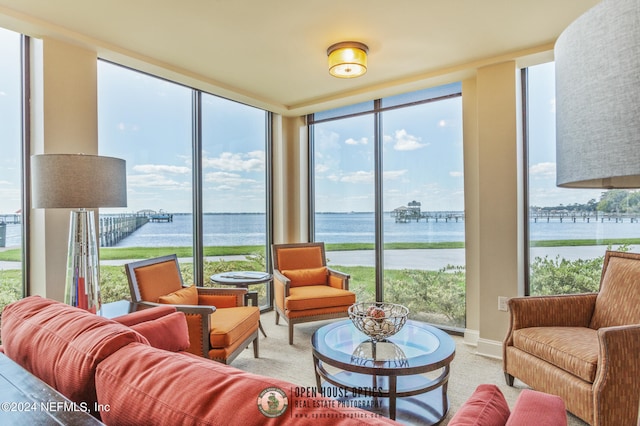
[(82, 288)]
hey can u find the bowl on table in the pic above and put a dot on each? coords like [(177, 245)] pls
[(378, 320)]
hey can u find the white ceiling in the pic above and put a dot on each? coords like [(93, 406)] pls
[(272, 54)]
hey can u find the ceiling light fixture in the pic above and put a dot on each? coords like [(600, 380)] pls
[(347, 59)]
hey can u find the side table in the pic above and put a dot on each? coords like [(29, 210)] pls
[(243, 279)]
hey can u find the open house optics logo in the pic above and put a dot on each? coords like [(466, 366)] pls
[(272, 402)]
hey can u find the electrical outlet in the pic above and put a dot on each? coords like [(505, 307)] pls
[(502, 303)]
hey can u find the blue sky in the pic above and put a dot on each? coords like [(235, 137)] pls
[(147, 121)]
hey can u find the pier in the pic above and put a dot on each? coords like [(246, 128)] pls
[(587, 217), (412, 212), (115, 228)]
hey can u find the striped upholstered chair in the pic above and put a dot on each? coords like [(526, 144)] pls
[(304, 288), (584, 348)]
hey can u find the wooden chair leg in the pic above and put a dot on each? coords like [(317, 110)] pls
[(277, 317), (290, 333), (508, 378), (256, 347)]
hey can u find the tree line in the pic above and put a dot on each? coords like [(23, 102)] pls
[(612, 201)]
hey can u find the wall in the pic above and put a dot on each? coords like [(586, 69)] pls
[(64, 120)]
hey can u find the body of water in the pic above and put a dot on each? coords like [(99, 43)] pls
[(250, 229)]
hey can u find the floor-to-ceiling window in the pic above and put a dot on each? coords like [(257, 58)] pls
[(569, 229), (423, 199), (345, 197), (389, 200), (11, 168), (213, 216), (234, 184)]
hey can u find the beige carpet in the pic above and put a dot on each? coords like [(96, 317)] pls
[(294, 363)]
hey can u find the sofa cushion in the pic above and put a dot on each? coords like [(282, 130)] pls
[(317, 297), (230, 324), (533, 408), (303, 277), (184, 296), (573, 349), (144, 385), (62, 345), (218, 300), (486, 407), (618, 298), (168, 332)]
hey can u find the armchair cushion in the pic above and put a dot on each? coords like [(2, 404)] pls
[(573, 349), (303, 277), (318, 296), (618, 299), (228, 325), (160, 279), (168, 332), (184, 296), (303, 257)]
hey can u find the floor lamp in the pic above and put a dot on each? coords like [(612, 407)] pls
[(80, 182), (597, 109)]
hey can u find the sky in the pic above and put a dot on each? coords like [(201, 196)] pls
[(147, 121)]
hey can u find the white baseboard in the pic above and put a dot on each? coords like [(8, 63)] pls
[(489, 348), (471, 337)]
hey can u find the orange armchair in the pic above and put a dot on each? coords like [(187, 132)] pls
[(220, 326), (304, 288)]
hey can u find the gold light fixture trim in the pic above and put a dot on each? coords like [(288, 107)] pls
[(347, 59)]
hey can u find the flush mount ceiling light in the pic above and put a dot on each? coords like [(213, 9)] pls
[(347, 59)]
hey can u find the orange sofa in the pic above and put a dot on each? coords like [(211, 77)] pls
[(133, 370)]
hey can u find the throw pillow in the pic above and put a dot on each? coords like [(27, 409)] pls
[(184, 296), (168, 332), (303, 277), (486, 407)]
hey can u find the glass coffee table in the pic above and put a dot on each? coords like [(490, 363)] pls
[(403, 377)]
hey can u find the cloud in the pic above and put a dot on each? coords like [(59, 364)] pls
[(362, 176), (456, 174), (253, 161), (225, 179), (155, 181), (543, 171), (357, 177), (361, 141), (406, 142), (161, 168)]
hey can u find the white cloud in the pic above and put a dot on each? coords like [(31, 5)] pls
[(456, 174), (161, 168), (407, 142), (225, 179), (253, 161), (543, 171), (358, 177), (393, 174), (361, 141)]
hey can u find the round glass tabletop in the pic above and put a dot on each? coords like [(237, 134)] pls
[(417, 346)]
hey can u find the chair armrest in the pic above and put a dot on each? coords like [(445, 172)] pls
[(187, 309), (281, 286), (214, 291), (144, 315), (617, 379), (338, 279)]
